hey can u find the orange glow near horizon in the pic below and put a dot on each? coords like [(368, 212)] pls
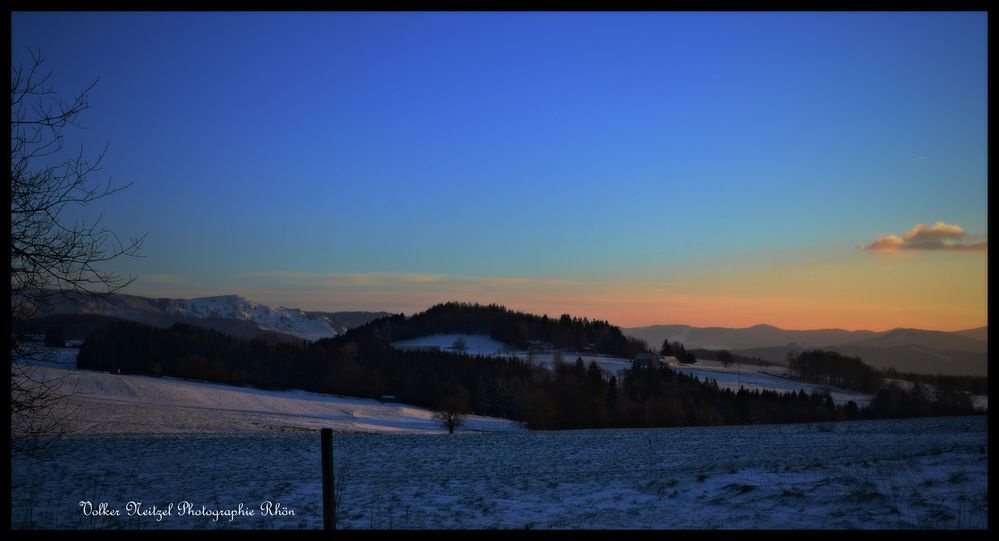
[(936, 291)]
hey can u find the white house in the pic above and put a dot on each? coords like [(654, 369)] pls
[(654, 359)]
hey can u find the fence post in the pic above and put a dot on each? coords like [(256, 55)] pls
[(329, 498)]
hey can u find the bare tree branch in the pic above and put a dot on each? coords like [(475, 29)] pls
[(50, 257)]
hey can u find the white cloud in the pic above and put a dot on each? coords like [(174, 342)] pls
[(939, 236)]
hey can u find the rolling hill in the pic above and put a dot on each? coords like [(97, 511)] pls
[(907, 350), (750, 337), (230, 314)]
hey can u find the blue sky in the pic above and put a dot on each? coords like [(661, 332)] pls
[(541, 146)]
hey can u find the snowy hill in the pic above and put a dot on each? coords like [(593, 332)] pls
[(284, 320), (230, 314)]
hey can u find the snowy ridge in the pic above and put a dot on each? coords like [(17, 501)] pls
[(282, 319), (163, 312)]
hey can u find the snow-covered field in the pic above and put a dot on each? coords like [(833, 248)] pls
[(161, 442), (100, 403), (764, 378), (979, 401), (919, 473), (477, 344), (733, 377), (773, 378)]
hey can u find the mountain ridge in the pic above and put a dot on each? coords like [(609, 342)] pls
[(905, 349), (220, 312), (732, 335)]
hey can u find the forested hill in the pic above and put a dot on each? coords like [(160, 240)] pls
[(518, 329), (570, 395)]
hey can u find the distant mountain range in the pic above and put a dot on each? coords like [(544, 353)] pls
[(230, 314), (906, 350)]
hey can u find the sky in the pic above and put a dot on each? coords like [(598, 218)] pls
[(804, 170)]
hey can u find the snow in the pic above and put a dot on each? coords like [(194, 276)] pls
[(475, 344), (927, 473), (750, 377), (162, 441), (978, 401), (285, 320), (485, 346), (608, 363), (59, 358), (754, 377), (773, 378), (99, 402), (732, 377)]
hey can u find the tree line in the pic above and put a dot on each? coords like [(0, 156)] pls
[(971, 384), (949, 393), (516, 328), (833, 368), (720, 355)]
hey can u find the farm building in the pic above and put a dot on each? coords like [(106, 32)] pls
[(653, 359), (646, 360)]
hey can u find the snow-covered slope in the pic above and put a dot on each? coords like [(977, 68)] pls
[(475, 344), (230, 314), (759, 378), (284, 320), (103, 403)]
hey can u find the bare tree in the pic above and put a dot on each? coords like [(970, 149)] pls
[(49, 255), (460, 345), (451, 413)]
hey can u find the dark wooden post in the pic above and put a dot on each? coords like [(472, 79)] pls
[(329, 498)]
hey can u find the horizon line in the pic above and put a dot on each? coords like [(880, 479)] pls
[(414, 312)]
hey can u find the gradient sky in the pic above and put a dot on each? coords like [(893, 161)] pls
[(719, 169)]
